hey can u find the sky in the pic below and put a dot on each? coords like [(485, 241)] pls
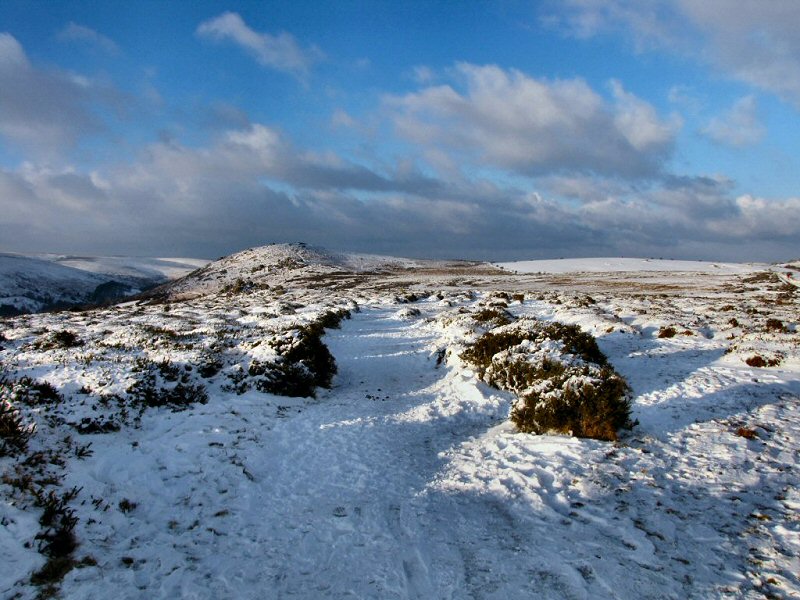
[(492, 130)]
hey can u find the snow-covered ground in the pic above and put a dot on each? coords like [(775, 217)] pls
[(131, 267), (406, 478), (622, 265)]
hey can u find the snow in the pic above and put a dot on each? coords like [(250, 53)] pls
[(406, 479), (132, 267), (33, 282), (614, 265)]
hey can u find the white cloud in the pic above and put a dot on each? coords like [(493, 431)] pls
[(45, 110), (767, 218), (251, 186), (423, 75), (751, 40), (640, 124), (280, 52), (12, 56), (342, 119), (74, 32), (507, 119), (739, 126)]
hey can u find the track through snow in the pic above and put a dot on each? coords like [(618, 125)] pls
[(328, 501)]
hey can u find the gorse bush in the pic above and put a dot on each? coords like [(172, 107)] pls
[(667, 332), (495, 317), (331, 319), (561, 378), (303, 361), (582, 401), (775, 325), (58, 339), (14, 432), (156, 387), (574, 341), (33, 393)]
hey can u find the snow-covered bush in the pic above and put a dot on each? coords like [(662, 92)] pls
[(14, 432), (35, 393), (563, 382), (155, 386), (58, 339), (496, 317), (303, 361)]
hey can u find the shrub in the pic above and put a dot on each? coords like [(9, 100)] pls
[(332, 319), (480, 354), (58, 521), (147, 392), (495, 317), (409, 313), (209, 367), (32, 393), (89, 425), (667, 332), (574, 341), (760, 362), (58, 339), (775, 325), (304, 362), (762, 277), (14, 432), (57, 539), (169, 371), (407, 298), (747, 433), (563, 382), (583, 401)]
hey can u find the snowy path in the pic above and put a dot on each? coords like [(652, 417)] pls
[(327, 501)]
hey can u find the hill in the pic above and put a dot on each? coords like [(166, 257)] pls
[(32, 283)]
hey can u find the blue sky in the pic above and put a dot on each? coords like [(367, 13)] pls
[(491, 130)]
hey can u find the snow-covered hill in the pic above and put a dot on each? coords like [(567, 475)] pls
[(282, 264), (30, 283)]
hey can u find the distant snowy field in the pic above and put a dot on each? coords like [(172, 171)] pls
[(622, 265)]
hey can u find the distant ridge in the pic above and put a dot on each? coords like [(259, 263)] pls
[(33, 283)]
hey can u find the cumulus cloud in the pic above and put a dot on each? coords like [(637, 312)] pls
[(754, 41), (74, 32), (44, 110), (251, 186), (751, 40), (506, 119), (738, 127), (280, 52)]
